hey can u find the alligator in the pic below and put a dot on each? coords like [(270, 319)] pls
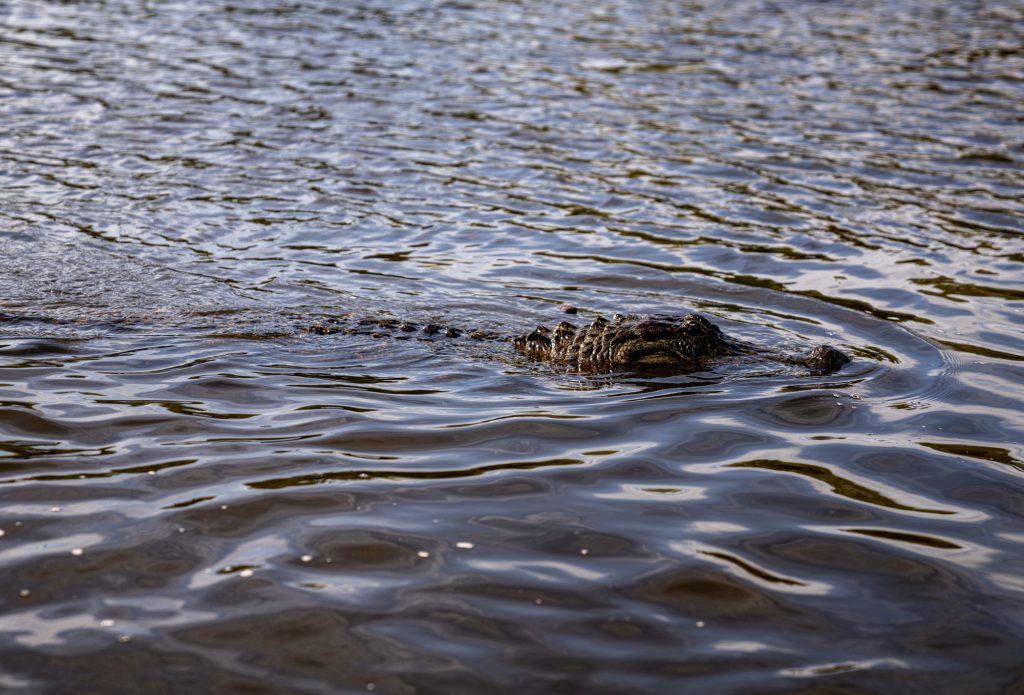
[(74, 291), (623, 344)]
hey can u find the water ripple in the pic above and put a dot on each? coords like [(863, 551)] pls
[(196, 494)]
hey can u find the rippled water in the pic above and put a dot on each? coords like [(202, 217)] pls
[(196, 495)]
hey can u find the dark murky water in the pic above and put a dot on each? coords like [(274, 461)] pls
[(198, 496)]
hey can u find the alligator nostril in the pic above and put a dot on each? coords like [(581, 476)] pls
[(825, 358)]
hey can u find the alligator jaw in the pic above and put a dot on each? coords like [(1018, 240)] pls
[(655, 357)]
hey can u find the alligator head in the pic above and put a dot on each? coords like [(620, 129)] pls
[(659, 343), (629, 342)]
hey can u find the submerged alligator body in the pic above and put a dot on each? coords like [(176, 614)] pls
[(622, 344)]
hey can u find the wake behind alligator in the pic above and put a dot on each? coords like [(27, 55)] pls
[(664, 344)]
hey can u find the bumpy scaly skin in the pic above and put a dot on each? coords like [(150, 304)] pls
[(663, 343), (395, 328), (627, 342), (623, 344)]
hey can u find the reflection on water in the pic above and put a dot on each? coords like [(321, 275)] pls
[(197, 495)]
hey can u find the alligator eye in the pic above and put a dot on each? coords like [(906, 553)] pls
[(648, 330)]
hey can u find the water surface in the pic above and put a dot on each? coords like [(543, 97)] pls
[(197, 495)]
